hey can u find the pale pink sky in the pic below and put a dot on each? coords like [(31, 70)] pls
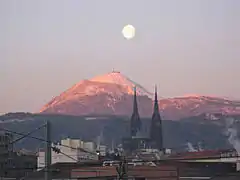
[(186, 47)]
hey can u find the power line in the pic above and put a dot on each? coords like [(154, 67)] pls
[(40, 139), (57, 150), (171, 159), (68, 156), (27, 135)]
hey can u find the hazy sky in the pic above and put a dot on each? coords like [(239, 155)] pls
[(184, 46)]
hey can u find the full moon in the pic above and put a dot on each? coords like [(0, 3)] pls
[(128, 31)]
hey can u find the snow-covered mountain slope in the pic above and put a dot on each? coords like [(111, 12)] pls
[(111, 94), (188, 106), (96, 98), (116, 77)]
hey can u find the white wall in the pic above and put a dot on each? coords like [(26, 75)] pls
[(90, 146), (74, 143), (238, 166), (103, 150), (41, 160), (76, 155)]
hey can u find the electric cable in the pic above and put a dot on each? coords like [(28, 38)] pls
[(27, 136), (41, 139)]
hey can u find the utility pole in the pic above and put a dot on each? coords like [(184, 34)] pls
[(122, 169), (48, 151)]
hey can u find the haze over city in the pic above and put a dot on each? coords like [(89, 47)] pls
[(185, 47)]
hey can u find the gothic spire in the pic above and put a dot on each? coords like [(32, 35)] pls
[(156, 108), (135, 106), (156, 125), (135, 118)]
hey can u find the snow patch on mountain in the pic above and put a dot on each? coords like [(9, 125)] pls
[(115, 85), (116, 77)]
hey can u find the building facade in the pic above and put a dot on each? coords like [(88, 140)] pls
[(23, 164), (14, 164), (72, 150), (6, 151)]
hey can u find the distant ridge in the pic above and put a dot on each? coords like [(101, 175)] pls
[(111, 94), (208, 95)]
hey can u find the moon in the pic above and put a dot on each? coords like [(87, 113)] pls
[(128, 31)]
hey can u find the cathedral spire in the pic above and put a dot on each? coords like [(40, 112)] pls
[(135, 106), (156, 125), (156, 108), (135, 118)]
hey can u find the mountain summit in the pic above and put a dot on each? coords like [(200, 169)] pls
[(112, 94), (115, 77), (108, 94)]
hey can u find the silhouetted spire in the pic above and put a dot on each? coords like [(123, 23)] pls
[(135, 118), (156, 108), (156, 125), (135, 106)]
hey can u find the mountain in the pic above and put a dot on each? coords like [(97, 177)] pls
[(111, 94), (182, 107)]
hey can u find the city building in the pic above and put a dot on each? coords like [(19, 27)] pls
[(24, 162), (6, 150), (14, 164), (71, 150), (102, 150)]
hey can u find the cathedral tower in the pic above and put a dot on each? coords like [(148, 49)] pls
[(135, 124), (156, 126)]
